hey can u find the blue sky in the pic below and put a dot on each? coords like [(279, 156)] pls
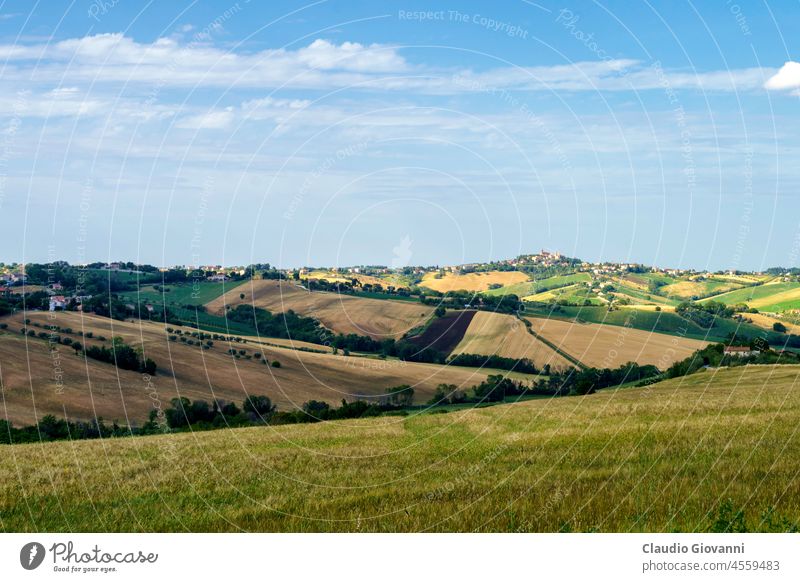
[(336, 133)]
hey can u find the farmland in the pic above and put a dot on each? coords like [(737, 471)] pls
[(778, 296), (474, 282), (377, 318), (182, 294), (670, 457), (605, 346), (37, 382), (505, 335), (532, 287)]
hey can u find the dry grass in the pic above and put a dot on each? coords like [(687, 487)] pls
[(91, 388), (336, 277), (377, 318), (474, 282), (662, 458), (504, 335), (608, 346), (765, 321)]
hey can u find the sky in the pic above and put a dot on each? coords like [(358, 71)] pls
[(338, 133)]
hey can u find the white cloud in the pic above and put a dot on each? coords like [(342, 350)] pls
[(168, 62), (788, 77), (220, 119)]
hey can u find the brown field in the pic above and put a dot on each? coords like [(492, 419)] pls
[(504, 335), (377, 318), (443, 334), (609, 346), (90, 388), (471, 281), (767, 321)]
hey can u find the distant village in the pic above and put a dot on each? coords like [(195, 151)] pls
[(13, 277)]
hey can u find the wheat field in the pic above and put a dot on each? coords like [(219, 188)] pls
[(474, 282), (377, 318), (505, 335), (609, 346), (36, 381), (663, 458)]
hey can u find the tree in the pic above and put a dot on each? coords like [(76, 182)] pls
[(440, 311), (241, 296), (259, 406), (316, 409), (779, 327), (400, 396)]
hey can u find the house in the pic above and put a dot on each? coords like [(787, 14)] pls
[(58, 302), (740, 351), (218, 277), (56, 287)]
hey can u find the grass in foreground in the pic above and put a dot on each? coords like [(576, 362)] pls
[(686, 454)]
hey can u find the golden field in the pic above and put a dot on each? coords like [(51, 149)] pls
[(664, 458), (504, 335), (474, 282), (377, 318), (36, 381), (609, 346)]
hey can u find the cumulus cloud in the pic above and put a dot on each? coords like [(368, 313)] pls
[(788, 77)]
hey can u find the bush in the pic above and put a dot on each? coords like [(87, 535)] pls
[(276, 364), (779, 327)]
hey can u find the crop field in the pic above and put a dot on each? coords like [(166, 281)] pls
[(577, 293), (182, 294), (766, 322), (670, 457), (377, 318), (475, 282), (505, 335), (38, 382), (444, 333), (336, 277), (697, 289), (532, 287), (606, 346), (774, 297), (642, 280), (638, 296)]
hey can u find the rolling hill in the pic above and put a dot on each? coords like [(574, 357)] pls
[(377, 318), (36, 382), (504, 335), (682, 455), (474, 282)]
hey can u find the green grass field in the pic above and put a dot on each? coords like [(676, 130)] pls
[(682, 455), (183, 294), (540, 285), (757, 293)]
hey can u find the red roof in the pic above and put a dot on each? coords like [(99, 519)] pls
[(737, 349)]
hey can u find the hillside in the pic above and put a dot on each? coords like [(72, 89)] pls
[(474, 282), (608, 346), (670, 457), (89, 388), (377, 318), (504, 335)]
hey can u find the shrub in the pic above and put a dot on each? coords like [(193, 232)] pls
[(276, 364)]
